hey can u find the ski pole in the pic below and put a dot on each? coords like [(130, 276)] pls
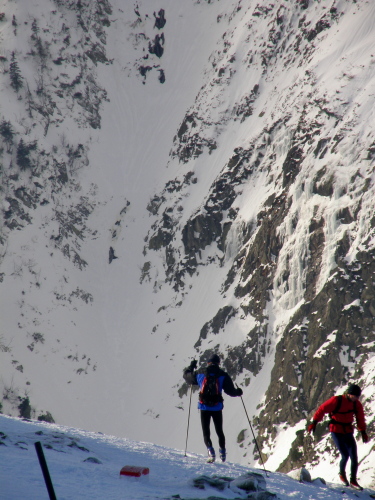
[(256, 442), (187, 431), (43, 465)]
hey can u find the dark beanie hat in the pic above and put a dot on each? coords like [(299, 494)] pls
[(354, 390), (214, 359)]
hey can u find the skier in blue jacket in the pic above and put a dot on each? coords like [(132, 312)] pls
[(212, 380)]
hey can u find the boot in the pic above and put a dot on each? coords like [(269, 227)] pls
[(354, 484), (343, 478), (223, 454), (211, 455)]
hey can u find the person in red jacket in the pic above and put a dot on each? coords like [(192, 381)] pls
[(342, 410)]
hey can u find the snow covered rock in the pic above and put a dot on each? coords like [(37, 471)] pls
[(301, 474), (249, 482)]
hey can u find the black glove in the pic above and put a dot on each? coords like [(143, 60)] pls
[(312, 427), (365, 438), (239, 391), (193, 365)]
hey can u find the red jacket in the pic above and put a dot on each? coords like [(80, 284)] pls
[(345, 414)]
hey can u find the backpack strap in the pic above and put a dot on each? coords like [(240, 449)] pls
[(337, 407), (337, 411)]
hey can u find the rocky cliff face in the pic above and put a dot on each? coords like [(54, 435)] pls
[(304, 249), (52, 99), (266, 194)]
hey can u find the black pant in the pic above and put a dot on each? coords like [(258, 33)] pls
[(217, 417), (347, 446)]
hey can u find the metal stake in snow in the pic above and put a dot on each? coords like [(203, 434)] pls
[(187, 431), (256, 442), (43, 465)]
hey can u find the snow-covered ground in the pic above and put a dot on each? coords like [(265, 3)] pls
[(86, 465)]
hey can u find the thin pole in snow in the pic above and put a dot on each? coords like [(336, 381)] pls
[(44, 467), (256, 442), (187, 431)]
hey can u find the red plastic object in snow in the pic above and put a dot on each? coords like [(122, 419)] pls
[(134, 471)]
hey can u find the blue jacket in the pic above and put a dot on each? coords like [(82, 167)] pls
[(225, 383)]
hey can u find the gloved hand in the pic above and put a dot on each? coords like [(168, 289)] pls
[(311, 428), (239, 391), (193, 365), (365, 438)]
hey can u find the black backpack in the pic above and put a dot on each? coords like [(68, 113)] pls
[(210, 393), (337, 411)]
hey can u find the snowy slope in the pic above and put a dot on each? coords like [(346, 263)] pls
[(87, 465), (259, 139), (129, 176)]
